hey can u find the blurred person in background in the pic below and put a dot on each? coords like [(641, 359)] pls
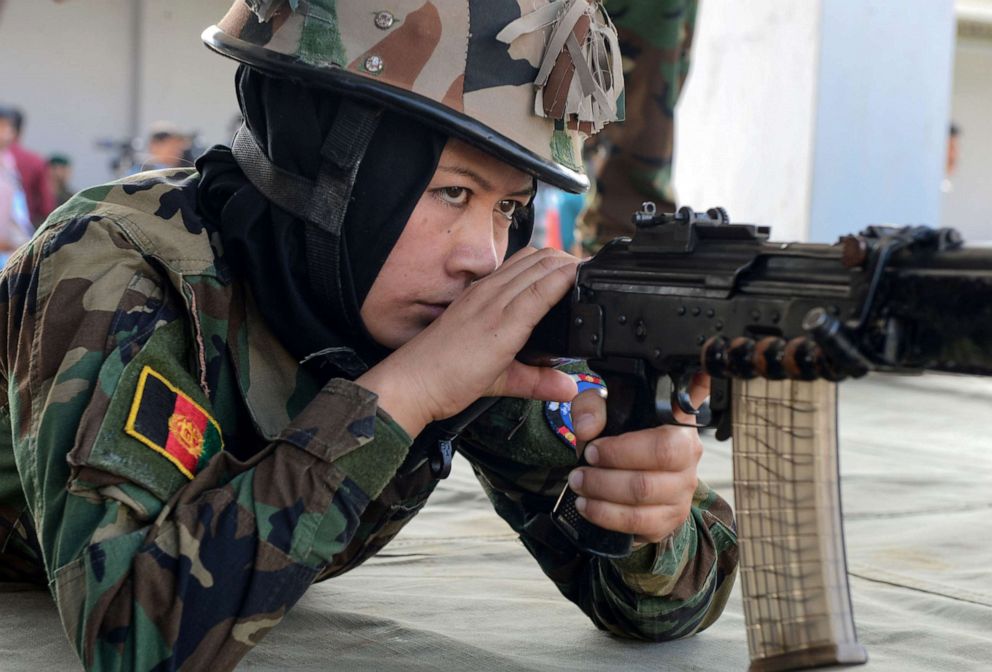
[(631, 161), (167, 147), (15, 220), (952, 148), (33, 171), (60, 178), (951, 161), (655, 40)]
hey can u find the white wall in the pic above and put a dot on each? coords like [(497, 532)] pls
[(66, 66), (884, 85), (968, 205), (182, 81), (817, 117), (69, 66), (745, 121)]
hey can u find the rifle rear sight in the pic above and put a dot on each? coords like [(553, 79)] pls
[(649, 216), (679, 232)]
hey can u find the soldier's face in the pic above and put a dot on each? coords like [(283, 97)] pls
[(168, 151), (457, 234)]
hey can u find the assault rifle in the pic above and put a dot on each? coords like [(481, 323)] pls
[(776, 326)]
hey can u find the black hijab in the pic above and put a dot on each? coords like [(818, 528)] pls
[(265, 245)]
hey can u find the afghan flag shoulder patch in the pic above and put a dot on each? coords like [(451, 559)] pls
[(170, 422)]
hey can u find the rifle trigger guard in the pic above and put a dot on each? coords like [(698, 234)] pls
[(671, 394)]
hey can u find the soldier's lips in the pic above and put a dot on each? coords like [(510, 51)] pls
[(433, 310)]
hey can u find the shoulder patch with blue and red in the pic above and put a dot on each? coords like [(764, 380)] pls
[(559, 414), (171, 423)]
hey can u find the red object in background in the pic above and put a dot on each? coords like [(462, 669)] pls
[(552, 229), (34, 181)]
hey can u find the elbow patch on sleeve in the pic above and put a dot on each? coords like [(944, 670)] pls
[(373, 465)]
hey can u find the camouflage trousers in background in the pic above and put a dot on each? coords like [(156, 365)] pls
[(656, 39)]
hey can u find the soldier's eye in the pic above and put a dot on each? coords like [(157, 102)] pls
[(455, 196), (508, 207)]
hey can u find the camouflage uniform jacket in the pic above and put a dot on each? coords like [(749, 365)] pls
[(160, 450)]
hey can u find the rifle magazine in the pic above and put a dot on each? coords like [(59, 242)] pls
[(793, 567)]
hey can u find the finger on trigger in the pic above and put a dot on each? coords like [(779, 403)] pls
[(699, 389)]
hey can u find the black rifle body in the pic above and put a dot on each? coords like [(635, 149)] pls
[(691, 292)]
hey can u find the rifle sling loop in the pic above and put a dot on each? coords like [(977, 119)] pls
[(919, 240)]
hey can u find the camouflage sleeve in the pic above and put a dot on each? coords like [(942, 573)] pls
[(656, 42), (151, 567), (660, 592)]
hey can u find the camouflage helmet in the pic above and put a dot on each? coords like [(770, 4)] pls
[(526, 81)]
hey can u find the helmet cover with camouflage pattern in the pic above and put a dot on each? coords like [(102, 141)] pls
[(525, 80)]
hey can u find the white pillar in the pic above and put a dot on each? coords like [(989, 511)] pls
[(817, 117), (883, 109)]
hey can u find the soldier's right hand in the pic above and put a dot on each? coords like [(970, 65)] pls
[(469, 351)]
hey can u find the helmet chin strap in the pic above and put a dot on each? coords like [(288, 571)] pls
[(321, 203)]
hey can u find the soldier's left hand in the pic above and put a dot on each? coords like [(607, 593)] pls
[(641, 482)]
